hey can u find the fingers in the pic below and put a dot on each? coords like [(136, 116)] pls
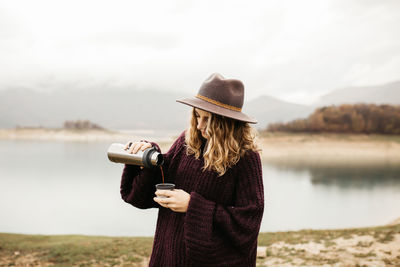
[(165, 198), (127, 145), (164, 202), (165, 193), (169, 203), (176, 200), (134, 147)]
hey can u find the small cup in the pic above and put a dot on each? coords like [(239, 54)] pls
[(165, 186)]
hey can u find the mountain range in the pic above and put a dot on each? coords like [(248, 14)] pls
[(157, 110), (380, 94)]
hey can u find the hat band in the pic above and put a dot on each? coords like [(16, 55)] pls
[(215, 102)]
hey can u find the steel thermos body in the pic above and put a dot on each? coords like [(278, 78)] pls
[(148, 158)]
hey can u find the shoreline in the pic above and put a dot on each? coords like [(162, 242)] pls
[(331, 149), (326, 149), (64, 135)]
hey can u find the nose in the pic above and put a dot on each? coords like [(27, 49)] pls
[(200, 124)]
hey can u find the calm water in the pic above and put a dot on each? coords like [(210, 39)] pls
[(72, 188)]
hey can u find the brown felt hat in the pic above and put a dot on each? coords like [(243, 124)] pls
[(220, 96)]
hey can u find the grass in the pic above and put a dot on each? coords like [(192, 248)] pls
[(67, 250), (78, 250)]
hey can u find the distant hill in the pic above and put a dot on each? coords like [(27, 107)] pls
[(157, 110), (267, 109), (380, 94), (122, 109)]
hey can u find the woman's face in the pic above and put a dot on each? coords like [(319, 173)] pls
[(202, 118)]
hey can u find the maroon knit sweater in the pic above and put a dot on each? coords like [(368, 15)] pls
[(221, 225)]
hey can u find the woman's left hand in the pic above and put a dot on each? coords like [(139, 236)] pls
[(176, 200)]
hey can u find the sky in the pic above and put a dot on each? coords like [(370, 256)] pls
[(292, 50)]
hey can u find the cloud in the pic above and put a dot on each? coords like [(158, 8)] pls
[(295, 50)]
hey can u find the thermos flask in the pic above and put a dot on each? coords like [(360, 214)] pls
[(148, 158)]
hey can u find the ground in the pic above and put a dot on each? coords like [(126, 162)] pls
[(375, 246), (357, 247)]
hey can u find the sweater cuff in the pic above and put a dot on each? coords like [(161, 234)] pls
[(199, 222)]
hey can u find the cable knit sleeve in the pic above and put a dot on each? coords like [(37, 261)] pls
[(138, 185), (213, 231)]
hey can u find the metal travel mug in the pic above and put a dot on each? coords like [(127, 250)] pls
[(148, 158)]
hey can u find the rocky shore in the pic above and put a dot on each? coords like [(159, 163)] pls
[(375, 247)]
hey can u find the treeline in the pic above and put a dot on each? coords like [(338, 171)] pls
[(358, 118), (81, 125)]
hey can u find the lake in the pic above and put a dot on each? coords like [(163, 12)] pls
[(72, 188)]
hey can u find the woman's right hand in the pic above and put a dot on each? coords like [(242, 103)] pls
[(134, 147)]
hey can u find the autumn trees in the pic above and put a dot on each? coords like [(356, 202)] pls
[(346, 118)]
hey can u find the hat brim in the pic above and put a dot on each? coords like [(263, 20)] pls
[(204, 105)]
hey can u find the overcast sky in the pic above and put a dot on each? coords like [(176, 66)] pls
[(292, 50)]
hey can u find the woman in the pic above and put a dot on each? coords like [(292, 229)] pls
[(213, 217)]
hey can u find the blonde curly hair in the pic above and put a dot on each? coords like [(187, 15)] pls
[(227, 141)]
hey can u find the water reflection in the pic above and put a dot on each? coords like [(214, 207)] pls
[(72, 188), (345, 176)]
